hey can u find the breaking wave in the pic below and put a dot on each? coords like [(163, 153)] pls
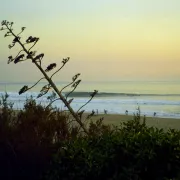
[(115, 103)]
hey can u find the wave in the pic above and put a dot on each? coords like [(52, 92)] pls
[(87, 94), (101, 98), (107, 94), (163, 108)]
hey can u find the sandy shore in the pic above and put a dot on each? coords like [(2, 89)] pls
[(116, 119)]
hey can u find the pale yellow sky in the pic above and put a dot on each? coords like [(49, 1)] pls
[(106, 39)]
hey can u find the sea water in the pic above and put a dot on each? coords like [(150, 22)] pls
[(161, 98)]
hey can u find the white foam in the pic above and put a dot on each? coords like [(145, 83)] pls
[(112, 105)]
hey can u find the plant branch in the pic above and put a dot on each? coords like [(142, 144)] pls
[(66, 86), (36, 83), (75, 86), (74, 114), (52, 102), (32, 46), (57, 71), (84, 104)]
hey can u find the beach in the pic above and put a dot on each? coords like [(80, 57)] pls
[(116, 119)]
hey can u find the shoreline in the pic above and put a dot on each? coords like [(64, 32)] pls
[(116, 119), (122, 114), (156, 116)]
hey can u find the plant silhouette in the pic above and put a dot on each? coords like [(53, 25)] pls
[(28, 54)]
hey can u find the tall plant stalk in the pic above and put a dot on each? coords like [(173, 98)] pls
[(28, 54)]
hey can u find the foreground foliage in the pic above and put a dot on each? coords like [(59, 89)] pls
[(39, 143), (128, 153), (30, 137)]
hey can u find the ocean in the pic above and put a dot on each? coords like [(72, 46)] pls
[(160, 97)]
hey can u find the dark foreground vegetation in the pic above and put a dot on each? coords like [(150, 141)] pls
[(40, 143)]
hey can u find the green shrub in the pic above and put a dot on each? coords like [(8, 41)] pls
[(40, 143), (29, 137), (126, 153)]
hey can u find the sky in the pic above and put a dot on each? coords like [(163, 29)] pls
[(107, 40)]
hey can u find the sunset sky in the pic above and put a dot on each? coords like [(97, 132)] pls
[(106, 39)]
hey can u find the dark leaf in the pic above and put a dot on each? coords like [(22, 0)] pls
[(38, 57), (50, 67), (10, 46), (31, 54), (16, 39), (32, 39), (3, 22), (94, 93), (76, 84), (43, 92), (23, 89), (29, 38), (19, 58), (10, 59), (65, 60), (23, 28), (46, 87), (76, 76)]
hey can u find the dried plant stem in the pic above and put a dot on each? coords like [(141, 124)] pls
[(74, 114)]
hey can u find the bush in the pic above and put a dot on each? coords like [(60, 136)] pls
[(29, 137), (41, 143), (149, 153)]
